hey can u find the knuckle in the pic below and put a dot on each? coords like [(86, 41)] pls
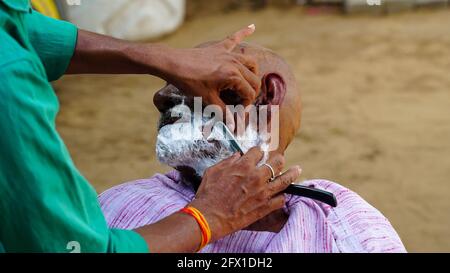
[(288, 180), (234, 74), (254, 178), (229, 72), (232, 38), (264, 174), (279, 162), (235, 61), (251, 60), (209, 171), (247, 166), (256, 85), (285, 181), (223, 68), (244, 189), (258, 151)]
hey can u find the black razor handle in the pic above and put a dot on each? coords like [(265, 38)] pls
[(312, 193)]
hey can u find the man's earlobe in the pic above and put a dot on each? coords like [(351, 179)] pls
[(273, 90)]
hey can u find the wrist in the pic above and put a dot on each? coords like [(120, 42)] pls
[(202, 223), (211, 218), (152, 59), (178, 233)]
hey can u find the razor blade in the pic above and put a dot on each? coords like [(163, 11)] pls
[(235, 146)]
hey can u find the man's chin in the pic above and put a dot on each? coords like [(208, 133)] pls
[(197, 155)]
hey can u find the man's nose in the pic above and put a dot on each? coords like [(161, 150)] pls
[(167, 98)]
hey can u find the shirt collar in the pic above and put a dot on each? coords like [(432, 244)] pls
[(18, 5)]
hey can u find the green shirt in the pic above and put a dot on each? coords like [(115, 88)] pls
[(45, 203)]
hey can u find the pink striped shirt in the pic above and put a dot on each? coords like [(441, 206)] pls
[(312, 227)]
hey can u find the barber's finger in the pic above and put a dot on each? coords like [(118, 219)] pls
[(233, 40), (230, 122), (214, 100), (245, 91), (275, 203), (253, 156), (232, 159), (247, 61), (247, 94), (250, 77), (227, 162), (276, 162), (283, 181), (228, 116)]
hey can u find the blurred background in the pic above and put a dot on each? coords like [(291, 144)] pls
[(374, 78)]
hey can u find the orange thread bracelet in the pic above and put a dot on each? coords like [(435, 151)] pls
[(204, 227)]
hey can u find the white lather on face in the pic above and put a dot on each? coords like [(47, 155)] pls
[(183, 143)]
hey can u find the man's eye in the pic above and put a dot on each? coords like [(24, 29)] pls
[(230, 97)]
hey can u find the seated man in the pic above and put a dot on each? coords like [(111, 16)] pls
[(304, 225)]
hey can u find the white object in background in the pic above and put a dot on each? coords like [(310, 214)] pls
[(128, 19)]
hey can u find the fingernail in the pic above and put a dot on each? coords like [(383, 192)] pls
[(299, 169), (252, 26)]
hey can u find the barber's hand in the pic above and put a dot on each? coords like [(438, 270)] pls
[(235, 193), (205, 72)]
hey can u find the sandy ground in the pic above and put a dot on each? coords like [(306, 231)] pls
[(376, 111)]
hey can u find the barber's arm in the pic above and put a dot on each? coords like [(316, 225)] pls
[(202, 72)]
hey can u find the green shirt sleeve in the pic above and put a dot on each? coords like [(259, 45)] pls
[(53, 40), (45, 202), (126, 242), (46, 205)]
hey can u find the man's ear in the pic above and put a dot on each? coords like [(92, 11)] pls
[(273, 90)]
